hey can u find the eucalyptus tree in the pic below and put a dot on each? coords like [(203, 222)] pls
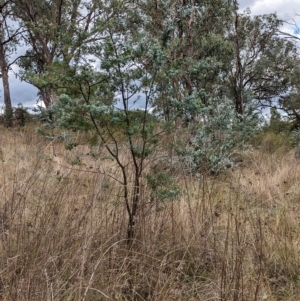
[(263, 61), (290, 102), (192, 33), (57, 32), (9, 39)]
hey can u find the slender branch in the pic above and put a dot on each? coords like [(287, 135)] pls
[(19, 57)]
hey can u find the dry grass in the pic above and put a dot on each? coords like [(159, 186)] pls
[(63, 226)]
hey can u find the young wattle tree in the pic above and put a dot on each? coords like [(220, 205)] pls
[(102, 100)]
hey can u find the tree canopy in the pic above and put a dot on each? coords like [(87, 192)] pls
[(200, 50)]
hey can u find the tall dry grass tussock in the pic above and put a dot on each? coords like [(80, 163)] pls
[(63, 229)]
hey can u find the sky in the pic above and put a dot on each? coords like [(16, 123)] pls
[(287, 10), (26, 94)]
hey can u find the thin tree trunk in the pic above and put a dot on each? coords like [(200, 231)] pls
[(6, 91), (239, 97)]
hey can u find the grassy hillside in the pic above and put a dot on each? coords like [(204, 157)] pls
[(63, 227)]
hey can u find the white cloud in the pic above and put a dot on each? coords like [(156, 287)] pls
[(285, 9)]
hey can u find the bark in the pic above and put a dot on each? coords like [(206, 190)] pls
[(6, 91), (48, 96), (239, 75)]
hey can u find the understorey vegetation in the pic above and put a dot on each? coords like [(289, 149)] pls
[(67, 234)]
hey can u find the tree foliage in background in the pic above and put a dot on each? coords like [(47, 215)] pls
[(192, 35), (207, 45), (290, 102), (57, 33), (263, 63)]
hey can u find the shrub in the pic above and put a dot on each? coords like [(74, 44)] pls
[(218, 133)]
